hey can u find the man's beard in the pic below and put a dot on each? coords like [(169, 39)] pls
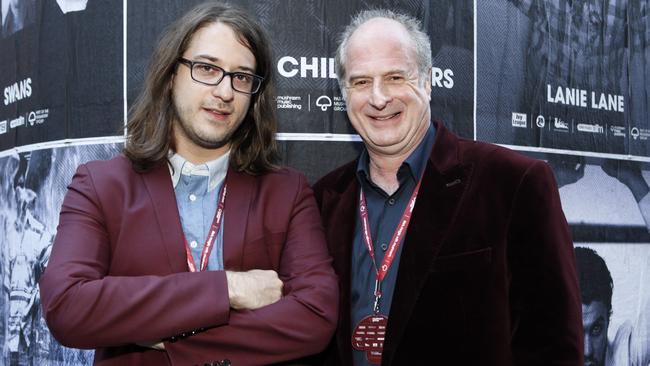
[(206, 142)]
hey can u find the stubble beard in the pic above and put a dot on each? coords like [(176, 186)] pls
[(196, 136)]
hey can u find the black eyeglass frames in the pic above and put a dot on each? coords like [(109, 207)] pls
[(210, 74)]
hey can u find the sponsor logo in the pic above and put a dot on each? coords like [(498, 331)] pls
[(17, 122), (323, 102), (31, 118), (618, 131), (540, 121), (289, 102), (519, 120), (38, 117), (584, 127), (3, 127), (642, 134), (560, 124)]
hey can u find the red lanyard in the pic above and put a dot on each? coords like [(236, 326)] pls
[(394, 241), (212, 234)]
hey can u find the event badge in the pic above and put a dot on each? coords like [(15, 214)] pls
[(370, 333), (369, 336)]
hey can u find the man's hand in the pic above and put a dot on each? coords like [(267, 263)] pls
[(253, 289)]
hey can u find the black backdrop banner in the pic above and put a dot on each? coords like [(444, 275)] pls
[(61, 74), (563, 81), (564, 75), (304, 36)]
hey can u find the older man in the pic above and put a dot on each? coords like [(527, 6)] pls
[(449, 251)]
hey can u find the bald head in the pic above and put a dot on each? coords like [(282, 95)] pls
[(376, 26)]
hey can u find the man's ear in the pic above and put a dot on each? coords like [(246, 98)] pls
[(427, 84)]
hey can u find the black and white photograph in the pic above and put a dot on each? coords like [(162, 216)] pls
[(615, 302), (16, 15), (32, 193)]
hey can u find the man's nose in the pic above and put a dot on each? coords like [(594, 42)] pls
[(379, 96), (224, 90), (588, 346)]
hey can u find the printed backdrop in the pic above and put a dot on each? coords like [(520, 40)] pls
[(563, 81)]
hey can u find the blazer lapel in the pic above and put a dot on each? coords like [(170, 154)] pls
[(238, 200), (435, 211), (161, 194)]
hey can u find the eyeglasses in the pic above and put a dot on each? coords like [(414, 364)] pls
[(210, 74)]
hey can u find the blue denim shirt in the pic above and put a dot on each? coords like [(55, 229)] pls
[(197, 190)]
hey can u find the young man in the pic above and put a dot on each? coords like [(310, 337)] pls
[(449, 251), (193, 247), (630, 345)]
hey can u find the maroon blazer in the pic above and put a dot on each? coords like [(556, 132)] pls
[(118, 274), (487, 273)]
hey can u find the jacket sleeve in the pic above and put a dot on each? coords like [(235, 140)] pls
[(300, 324), (545, 297), (86, 307)]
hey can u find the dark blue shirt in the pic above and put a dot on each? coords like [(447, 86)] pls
[(384, 213)]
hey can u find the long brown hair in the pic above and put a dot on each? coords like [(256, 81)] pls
[(149, 128)]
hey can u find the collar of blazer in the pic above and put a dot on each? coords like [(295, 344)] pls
[(240, 187)]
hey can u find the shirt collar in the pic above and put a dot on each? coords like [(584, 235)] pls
[(215, 169), (414, 164)]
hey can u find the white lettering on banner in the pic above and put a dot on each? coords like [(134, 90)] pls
[(339, 104), (567, 96), (608, 102), (314, 67), (289, 102), (442, 78), (323, 68), (18, 91), (578, 98), (3, 127)]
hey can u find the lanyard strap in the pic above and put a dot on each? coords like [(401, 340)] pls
[(212, 235), (394, 242)]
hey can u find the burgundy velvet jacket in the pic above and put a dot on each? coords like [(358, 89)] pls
[(118, 274), (487, 273)]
